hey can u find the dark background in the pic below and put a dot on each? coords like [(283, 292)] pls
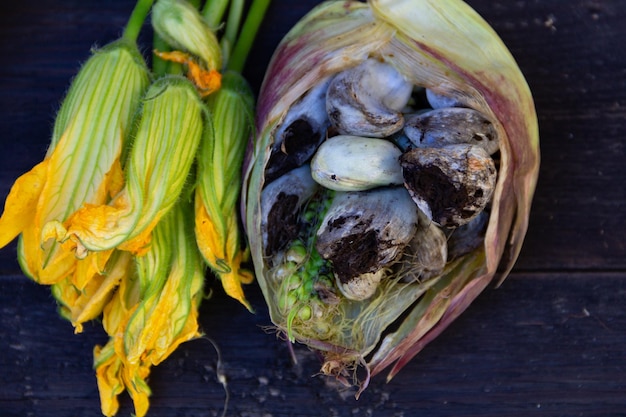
[(549, 342)]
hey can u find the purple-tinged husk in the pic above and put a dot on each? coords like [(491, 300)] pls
[(447, 48)]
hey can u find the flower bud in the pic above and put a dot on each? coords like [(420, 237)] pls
[(152, 313), (218, 183), (180, 24), (164, 144), (82, 165)]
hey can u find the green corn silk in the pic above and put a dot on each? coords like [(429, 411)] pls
[(303, 275), (160, 157)]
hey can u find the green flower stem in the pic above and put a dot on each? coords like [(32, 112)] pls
[(232, 23), (159, 66), (137, 17), (248, 33), (213, 12)]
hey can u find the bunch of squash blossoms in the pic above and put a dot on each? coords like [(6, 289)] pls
[(140, 161)]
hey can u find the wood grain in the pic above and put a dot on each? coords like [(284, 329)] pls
[(549, 342), (546, 344)]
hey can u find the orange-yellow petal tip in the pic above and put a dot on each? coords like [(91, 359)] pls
[(231, 282), (206, 81)]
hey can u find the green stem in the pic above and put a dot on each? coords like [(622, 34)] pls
[(162, 67), (159, 66), (232, 24), (137, 17), (248, 34), (213, 12)]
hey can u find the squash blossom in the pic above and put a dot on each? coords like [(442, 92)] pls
[(152, 313), (83, 295), (219, 183), (230, 103), (182, 27), (160, 157), (82, 165), (106, 220)]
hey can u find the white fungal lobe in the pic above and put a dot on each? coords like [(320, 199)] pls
[(438, 101), (300, 133), (450, 185), (427, 253), (353, 163), (281, 202), (401, 175), (450, 126), (360, 287), (367, 100), (363, 232)]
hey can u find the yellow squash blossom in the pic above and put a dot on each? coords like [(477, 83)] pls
[(82, 164), (182, 27), (219, 183), (83, 295), (161, 154), (152, 313)]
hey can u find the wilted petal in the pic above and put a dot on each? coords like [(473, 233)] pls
[(82, 163), (226, 264), (108, 376), (154, 310), (21, 203), (84, 294), (172, 280)]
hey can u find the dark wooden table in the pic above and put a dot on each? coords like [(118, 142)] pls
[(549, 342)]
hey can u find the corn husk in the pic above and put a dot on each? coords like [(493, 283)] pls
[(442, 45)]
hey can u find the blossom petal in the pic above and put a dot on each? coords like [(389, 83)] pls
[(21, 203)]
